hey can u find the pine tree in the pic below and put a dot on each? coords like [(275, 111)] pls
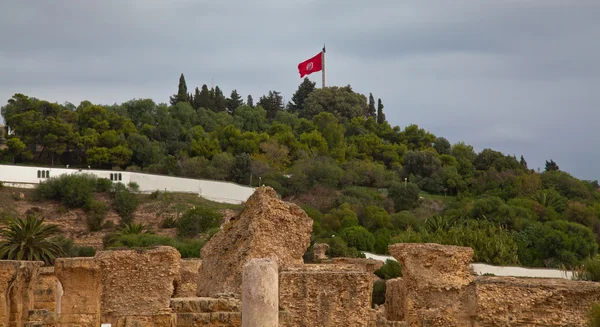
[(250, 101), (380, 114), (219, 100), (196, 100), (182, 95), (271, 103), (371, 110), (304, 90), (234, 101), (551, 166)]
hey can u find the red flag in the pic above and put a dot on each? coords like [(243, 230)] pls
[(311, 65)]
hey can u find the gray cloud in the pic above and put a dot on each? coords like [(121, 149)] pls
[(516, 76)]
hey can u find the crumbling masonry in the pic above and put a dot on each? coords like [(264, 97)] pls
[(157, 288)]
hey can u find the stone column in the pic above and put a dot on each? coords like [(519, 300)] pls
[(260, 293)]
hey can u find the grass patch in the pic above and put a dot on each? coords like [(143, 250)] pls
[(437, 197)]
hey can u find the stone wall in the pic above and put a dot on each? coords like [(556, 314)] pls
[(17, 280), (82, 290), (438, 290), (533, 302), (138, 284), (268, 227), (395, 299), (325, 295), (187, 281), (47, 290), (436, 281)]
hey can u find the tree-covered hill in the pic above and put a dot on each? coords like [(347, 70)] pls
[(364, 182)]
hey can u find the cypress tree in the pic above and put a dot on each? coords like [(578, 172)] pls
[(182, 95), (196, 102), (204, 98), (380, 114), (220, 103), (250, 101), (371, 109)]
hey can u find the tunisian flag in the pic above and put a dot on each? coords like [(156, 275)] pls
[(311, 65)]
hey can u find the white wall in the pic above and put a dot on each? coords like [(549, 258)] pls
[(226, 192), (481, 269)]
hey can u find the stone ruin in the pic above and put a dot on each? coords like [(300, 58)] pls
[(268, 285)]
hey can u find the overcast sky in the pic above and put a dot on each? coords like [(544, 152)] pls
[(518, 76)]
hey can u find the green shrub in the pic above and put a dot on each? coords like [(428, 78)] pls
[(339, 248), (103, 185), (169, 222), (594, 315), (391, 269), (358, 237), (405, 197), (378, 295), (96, 212), (73, 190), (133, 186), (124, 203), (197, 220), (592, 269)]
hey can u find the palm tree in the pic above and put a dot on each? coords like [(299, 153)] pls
[(29, 239)]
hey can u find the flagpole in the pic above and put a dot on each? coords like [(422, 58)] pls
[(323, 60)]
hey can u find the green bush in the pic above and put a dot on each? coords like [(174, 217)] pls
[(391, 269), (124, 203), (339, 248), (358, 237), (96, 212), (197, 220), (378, 296), (133, 186), (592, 269), (594, 315), (103, 185), (405, 197), (169, 222), (74, 190)]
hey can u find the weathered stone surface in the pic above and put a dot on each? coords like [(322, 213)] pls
[(137, 283), (369, 265), (325, 295), (395, 299), (320, 250), (506, 301), (82, 290), (268, 227), (46, 290), (260, 293), (187, 281), (17, 280), (158, 320), (210, 319), (436, 279), (205, 305)]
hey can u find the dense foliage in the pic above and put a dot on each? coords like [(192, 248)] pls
[(30, 239), (365, 183)]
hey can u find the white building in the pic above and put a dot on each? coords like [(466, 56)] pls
[(227, 192)]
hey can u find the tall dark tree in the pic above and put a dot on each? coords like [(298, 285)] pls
[(371, 109), (304, 90), (250, 101), (380, 114), (523, 162), (220, 102), (196, 100), (182, 95), (234, 101), (551, 166), (272, 103), (204, 100)]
